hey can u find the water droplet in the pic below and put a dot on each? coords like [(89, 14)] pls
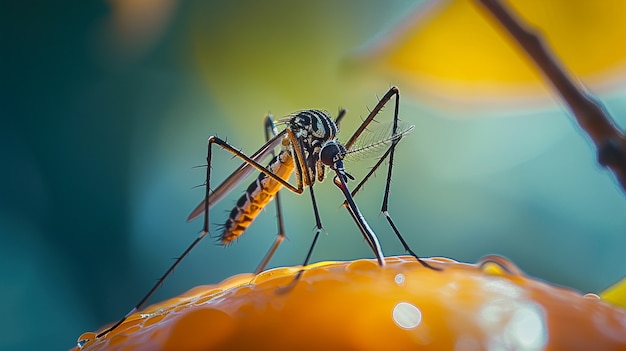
[(82, 343), (399, 279), (85, 338), (406, 315), (592, 296)]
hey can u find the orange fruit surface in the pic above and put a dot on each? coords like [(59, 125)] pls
[(360, 306)]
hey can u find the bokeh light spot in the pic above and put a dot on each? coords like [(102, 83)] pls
[(406, 315), (527, 329), (399, 279)]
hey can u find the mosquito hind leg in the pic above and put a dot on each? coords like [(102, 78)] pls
[(179, 259)]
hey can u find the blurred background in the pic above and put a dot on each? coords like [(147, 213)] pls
[(106, 107)]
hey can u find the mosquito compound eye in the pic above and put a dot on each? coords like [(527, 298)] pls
[(327, 154), (331, 152)]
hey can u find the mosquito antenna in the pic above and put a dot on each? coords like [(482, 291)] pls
[(377, 140)]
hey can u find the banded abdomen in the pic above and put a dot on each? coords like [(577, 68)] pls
[(256, 197)]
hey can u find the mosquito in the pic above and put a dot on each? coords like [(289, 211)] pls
[(308, 145)]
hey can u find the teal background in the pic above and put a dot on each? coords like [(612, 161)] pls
[(98, 143)]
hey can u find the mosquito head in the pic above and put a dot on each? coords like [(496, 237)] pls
[(332, 151), (332, 155)]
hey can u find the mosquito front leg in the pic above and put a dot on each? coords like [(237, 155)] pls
[(354, 211), (393, 91), (389, 154)]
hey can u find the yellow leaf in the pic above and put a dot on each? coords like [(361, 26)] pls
[(616, 294), (454, 49)]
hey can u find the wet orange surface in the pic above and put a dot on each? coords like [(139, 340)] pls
[(360, 306)]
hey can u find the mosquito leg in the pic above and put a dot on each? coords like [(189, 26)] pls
[(354, 211), (318, 223), (205, 231), (250, 162), (318, 230), (270, 131), (385, 210), (389, 154), (385, 206), (393, 91), (210, 200)]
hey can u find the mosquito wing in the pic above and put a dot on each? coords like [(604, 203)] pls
[(373, 140), (236, 177)]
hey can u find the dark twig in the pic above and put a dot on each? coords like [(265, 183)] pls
[(590, 114)]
